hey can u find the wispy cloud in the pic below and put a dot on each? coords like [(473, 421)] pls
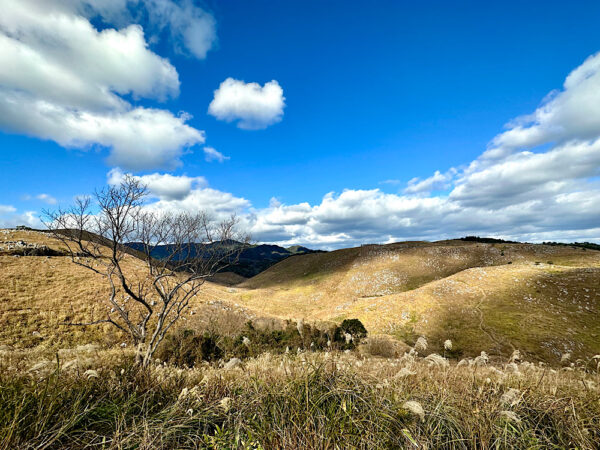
[(46, 198), (210, 154), (438, 181), (391, 182)]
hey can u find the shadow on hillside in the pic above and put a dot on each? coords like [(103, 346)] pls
[(304, 268)]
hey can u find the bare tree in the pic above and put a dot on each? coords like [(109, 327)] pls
[(179, 250)]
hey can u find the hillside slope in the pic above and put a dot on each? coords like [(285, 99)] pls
[(38, 294), (541, 299)]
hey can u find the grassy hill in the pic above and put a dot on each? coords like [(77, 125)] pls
[(541, 299), (58, 392), (38, 294)]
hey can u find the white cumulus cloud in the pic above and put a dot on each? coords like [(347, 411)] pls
[(181, 193), (62, 79), (217, 204), (572, 113), (164, 186), (191, 29), (253, 106)]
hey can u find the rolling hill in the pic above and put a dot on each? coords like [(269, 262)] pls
[(543, 300), (42, 291)]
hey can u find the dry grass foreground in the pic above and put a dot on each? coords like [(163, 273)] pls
[(308, 400)]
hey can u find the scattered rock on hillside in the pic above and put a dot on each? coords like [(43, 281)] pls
[(232, 363)]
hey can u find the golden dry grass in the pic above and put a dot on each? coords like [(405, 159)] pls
[(541, 299), (310, 400), (38, 294), (464, 291)]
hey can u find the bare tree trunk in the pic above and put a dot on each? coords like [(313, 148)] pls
[(139, 355)]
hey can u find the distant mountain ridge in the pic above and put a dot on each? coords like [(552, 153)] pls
[(253, 259)]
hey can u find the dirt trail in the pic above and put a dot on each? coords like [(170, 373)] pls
[(499, 342)]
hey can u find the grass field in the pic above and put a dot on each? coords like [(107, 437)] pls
[(542, 300), (539, 299), (311, 400), (77, 387), (39, 294)]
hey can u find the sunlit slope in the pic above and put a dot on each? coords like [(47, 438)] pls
[(374, 270), (543, 311), (38, 294), (541, 299)]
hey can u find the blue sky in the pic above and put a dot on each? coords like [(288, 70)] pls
[(373, 94)]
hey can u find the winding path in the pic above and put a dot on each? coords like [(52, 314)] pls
[(487, 332)]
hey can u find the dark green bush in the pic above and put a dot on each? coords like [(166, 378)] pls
[(186, 348), (354, 327)]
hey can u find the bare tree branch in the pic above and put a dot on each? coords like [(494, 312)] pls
[(145, 303)]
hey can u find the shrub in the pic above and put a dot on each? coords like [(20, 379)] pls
[(186, 348), (354, 327)]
